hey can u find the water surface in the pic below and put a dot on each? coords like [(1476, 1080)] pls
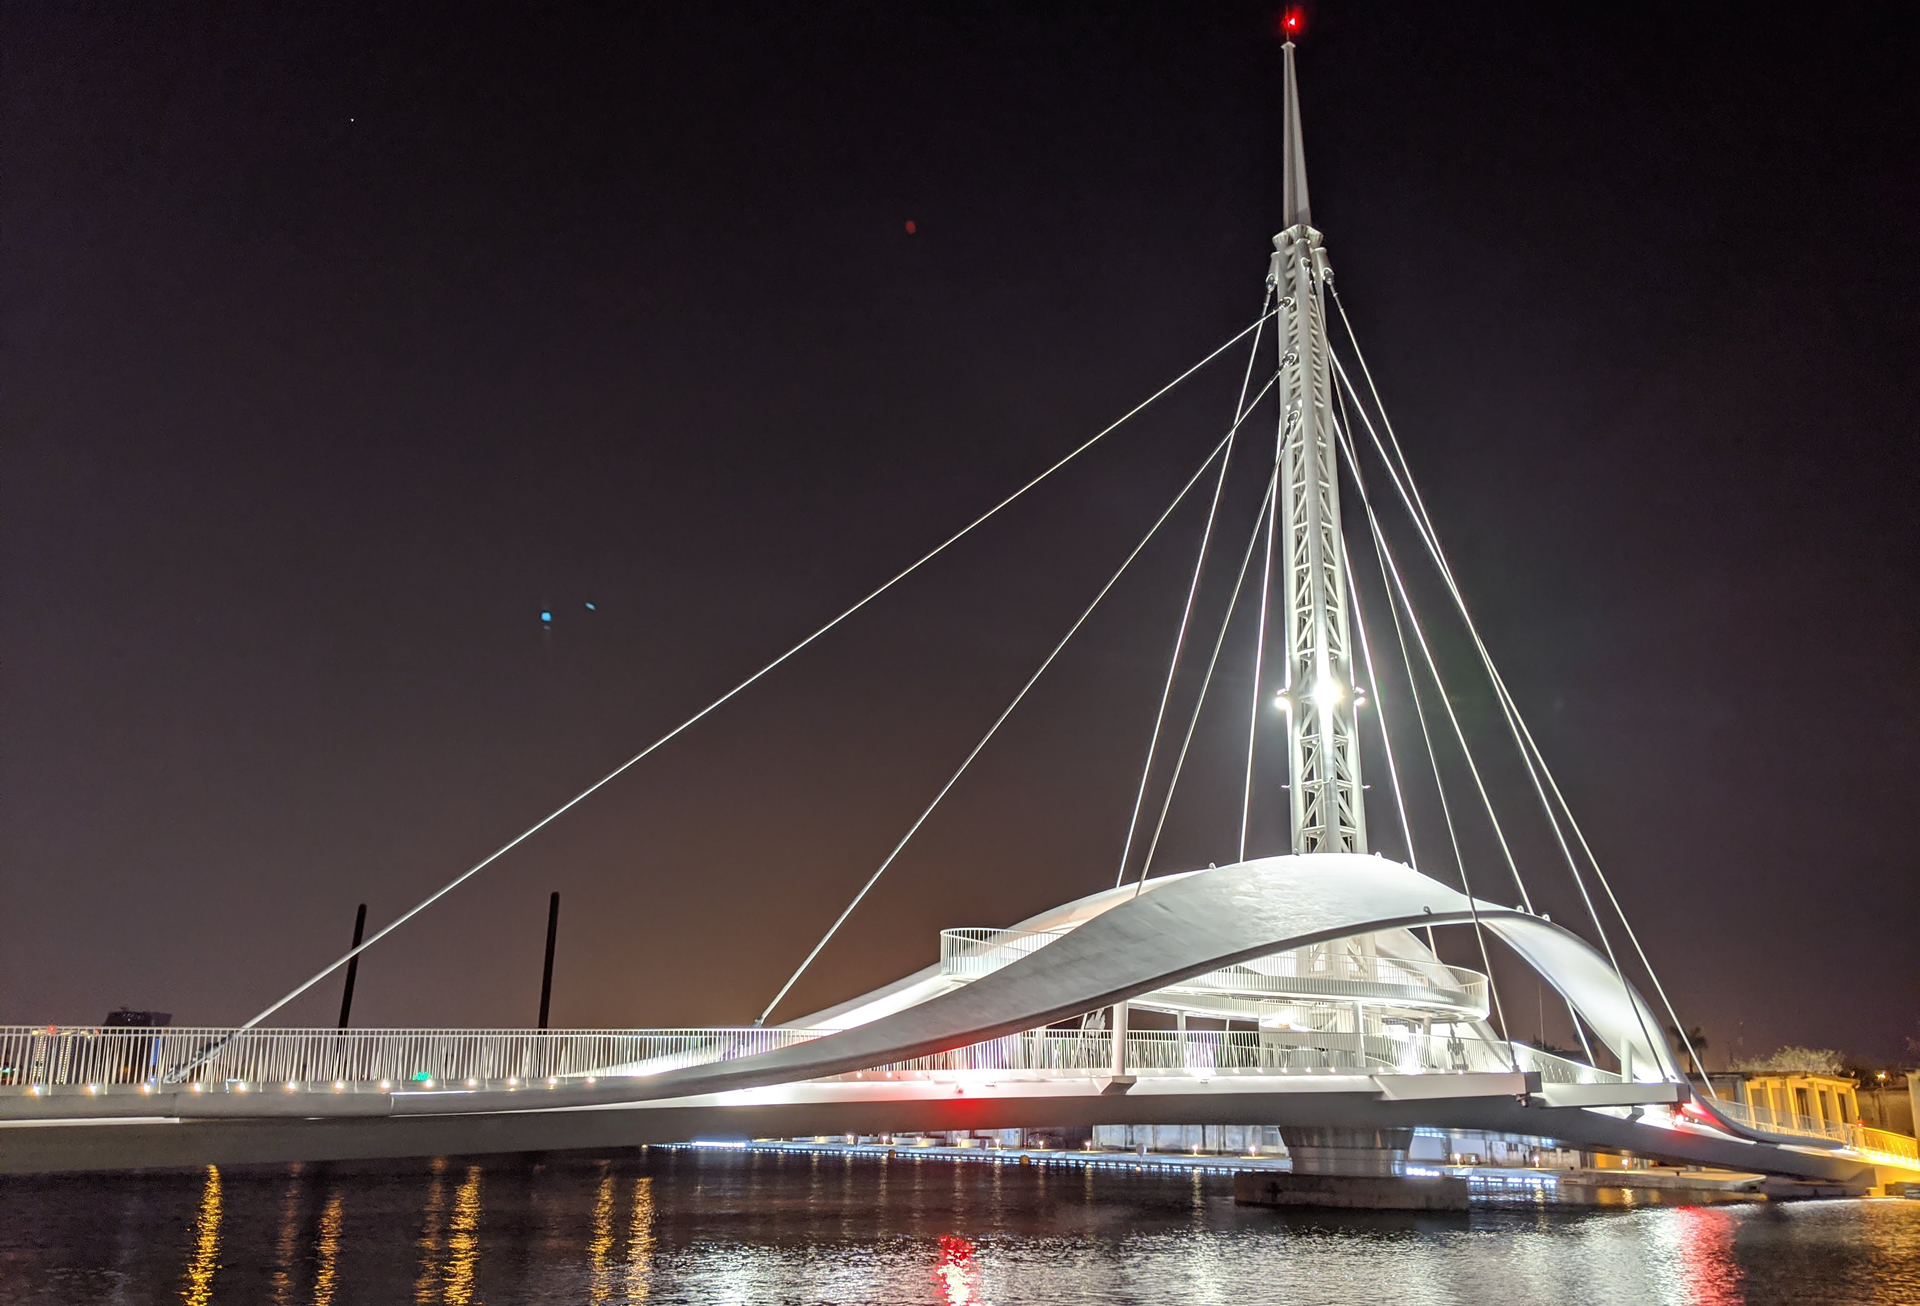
[(665, 1226)]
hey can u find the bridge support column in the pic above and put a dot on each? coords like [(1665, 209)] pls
[(1336, 1151), (1119, 1039)]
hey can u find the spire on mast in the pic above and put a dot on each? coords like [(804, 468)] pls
[(1293, 163)]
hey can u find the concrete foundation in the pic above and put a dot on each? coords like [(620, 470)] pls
[(1780, 1189), (1355, 1152)]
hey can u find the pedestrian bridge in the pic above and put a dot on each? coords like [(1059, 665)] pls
[(1327, 1011), (1304, 991)]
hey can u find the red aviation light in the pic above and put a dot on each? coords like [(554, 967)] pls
[(1293, 22)]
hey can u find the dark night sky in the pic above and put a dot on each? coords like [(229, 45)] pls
[(341, 342)]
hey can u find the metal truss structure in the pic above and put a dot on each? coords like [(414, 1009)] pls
[(1320, 694)]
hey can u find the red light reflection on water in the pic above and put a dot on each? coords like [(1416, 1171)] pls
[(1713, 1274), (958, 1277)]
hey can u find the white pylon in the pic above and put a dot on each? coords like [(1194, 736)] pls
[(1319, 695)]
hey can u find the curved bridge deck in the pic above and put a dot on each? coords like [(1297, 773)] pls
[(411, 1095)]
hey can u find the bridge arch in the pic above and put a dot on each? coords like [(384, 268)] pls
[(1124, 943)]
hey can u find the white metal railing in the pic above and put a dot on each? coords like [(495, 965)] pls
[(50, 1059), (1859, 1137), (40, 1059), (972, 953), (1756, 1116), (1561, 1070), (1864, 1138), (1335, 974), (47, 1058), (1311, 972), (1069, 1052), (54, 1056)]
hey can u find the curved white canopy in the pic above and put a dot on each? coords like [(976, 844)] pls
[(1124, 943)]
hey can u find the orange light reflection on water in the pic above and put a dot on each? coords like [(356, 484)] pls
[(463, 1241), (426, 1284), (198, 1290), (640, 1241), (599, 1291), (326, 1273), (287, 1242)]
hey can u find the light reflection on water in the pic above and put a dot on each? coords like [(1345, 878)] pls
[(956, 1276), (602, 1243), (463, 1241), (640, 1240), (287, 1243), (670, 1227), (1707, 1259), (328, 1255), (206, 1244), (432, 1217)]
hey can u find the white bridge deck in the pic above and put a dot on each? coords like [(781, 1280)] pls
[(87, 1078), (989, 1037)]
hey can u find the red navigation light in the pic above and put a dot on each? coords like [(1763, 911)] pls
[(1293, 22)]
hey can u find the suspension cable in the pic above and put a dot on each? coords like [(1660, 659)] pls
[(1341, 395), (1426, 735), (1233, 601), (998, 722), (1260, 639), (1366, 657), (1241, 409), (1253, 327), (1529, 749), (1433, 669), (1380, 710)]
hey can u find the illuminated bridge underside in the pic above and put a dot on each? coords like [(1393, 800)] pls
[(897, 1060), (806, 1109)]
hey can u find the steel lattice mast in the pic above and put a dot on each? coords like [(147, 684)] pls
[(1320, 696)]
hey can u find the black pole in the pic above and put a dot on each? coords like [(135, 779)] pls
[(546, 975), (353, 967)]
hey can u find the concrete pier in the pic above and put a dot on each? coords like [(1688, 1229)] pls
[(1318, 1150)]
